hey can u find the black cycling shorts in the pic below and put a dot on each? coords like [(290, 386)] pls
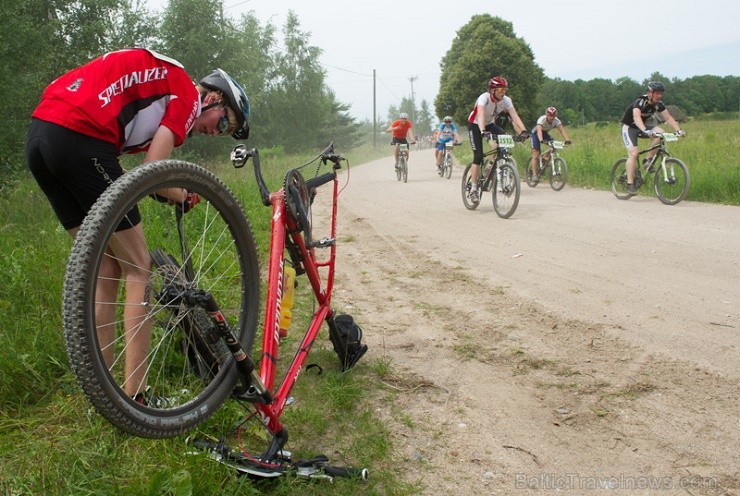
[(73, 170)]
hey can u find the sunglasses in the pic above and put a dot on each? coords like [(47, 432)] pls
[(223, 122)]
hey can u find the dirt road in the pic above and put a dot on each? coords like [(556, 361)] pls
[(586, 344)]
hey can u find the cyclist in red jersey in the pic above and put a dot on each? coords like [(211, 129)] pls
[(127, 101), (400, 129)]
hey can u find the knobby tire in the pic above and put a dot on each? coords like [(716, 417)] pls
[(189, 376), (506, 201)]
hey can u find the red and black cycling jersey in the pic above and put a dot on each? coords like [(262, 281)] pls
[(646, 110), (122, 98)]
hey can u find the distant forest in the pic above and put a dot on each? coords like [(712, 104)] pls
[(599, 100)]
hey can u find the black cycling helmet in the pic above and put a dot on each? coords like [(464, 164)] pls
[(235, 97), (656, 86)]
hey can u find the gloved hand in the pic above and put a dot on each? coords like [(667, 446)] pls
[(680, 133), (523, 136), (191, 200), (648, 132), (568, 142)]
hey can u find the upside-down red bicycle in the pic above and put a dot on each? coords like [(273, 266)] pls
[(202, 313)]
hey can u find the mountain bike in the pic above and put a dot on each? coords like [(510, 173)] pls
[(204, 302), (671, 181), (402, 169), (447, 158), (498, 174), (553, 163)]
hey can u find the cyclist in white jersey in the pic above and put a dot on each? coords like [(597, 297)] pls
[(541, 133), (488, 106)]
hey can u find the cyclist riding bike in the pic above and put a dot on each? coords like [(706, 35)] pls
[(445, 132), (400, 129), (635, 125), (127, 101), (487, 108), (541, 133)]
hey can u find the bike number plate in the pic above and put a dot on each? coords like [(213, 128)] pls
[(558, 145), (670, 137), (449, 145), (505, 141), (403, 147)]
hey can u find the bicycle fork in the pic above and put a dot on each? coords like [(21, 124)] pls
[(669, 173), (252, 388)]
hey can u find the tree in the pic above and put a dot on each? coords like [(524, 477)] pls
[(487, 46), (425, 120), (46, 38)]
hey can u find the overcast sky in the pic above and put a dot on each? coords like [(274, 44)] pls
[(571, 39)]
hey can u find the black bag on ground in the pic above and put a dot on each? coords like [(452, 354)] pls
[(346, 336)]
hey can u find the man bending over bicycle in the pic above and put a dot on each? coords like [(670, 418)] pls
[(634, 126), (127, 101), (541, 132), (446, 132), (488, 107), (400, 129)]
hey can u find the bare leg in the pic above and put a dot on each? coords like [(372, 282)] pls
[(631, 161), (535, 161), (129, 253)]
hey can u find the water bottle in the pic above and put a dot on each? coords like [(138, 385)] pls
[(286, 304)]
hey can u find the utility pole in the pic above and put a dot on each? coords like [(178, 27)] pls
[(413, 102), (375, 122)]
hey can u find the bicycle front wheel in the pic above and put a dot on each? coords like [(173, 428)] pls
[(448, 166), (672, 181), (558, 174), (209, 250), (618, 179), (506, 191), (466, 185), (404, 169)]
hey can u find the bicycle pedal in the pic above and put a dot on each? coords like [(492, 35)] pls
[(252, 394), (324, 243)]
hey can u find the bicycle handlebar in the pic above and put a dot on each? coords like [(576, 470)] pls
[(240, 154), (317, 181)]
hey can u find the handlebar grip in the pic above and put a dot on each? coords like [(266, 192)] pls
[(362, 473), (317, 181)]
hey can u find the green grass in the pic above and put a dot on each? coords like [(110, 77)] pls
[(51, 444), (710, 151)]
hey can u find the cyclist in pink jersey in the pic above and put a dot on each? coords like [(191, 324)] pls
[(127, 101)]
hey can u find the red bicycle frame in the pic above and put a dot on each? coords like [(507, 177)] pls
[(282, 226)]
